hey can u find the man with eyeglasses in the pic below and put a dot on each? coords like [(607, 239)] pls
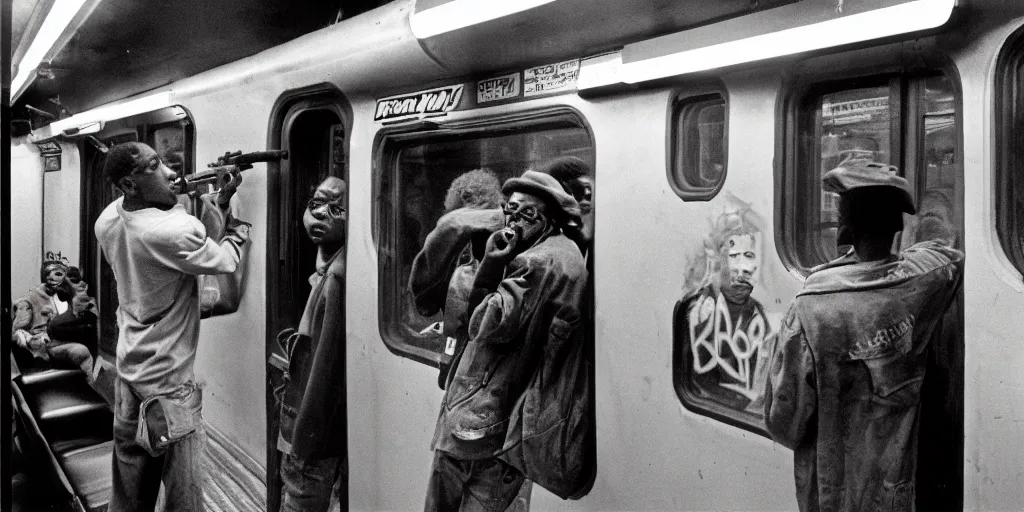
[(515, 406), (157, 251), (312, 399)]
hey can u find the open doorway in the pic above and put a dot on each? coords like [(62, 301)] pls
[(312, 125)]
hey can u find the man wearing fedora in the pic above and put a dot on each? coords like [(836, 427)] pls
[(844, 386), (516, 403)]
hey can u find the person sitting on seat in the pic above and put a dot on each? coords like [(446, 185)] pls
[(34, 312)]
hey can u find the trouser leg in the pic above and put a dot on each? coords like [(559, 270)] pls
[(444, 488), (73, 353), (135, 480), (492, 486), (183, 473), (307, 485)]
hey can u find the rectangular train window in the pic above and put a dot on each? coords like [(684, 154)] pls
[(908, 121), (699, 147), (1010, 150), (416, 167)]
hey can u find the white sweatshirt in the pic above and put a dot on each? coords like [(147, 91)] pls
[(156, 256)]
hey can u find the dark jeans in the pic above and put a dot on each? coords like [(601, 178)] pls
[(487, 485), (137, 474), (307, 485)]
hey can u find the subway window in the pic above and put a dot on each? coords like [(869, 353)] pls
[(698, 153), (416, 169), (1009, 179), (907, 121)]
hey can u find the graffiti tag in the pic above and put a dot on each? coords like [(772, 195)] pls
[(443, 99)]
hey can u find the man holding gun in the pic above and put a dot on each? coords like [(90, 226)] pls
[(157, 250)]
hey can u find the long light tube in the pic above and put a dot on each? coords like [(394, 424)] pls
[(458, 14), (885, 22), (56, 21), (109, 113)]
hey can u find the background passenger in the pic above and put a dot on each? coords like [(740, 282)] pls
[(524, 347), (845, 382), (575, 177), (313, 436), (443, 271), (34, 314), (156, 251)]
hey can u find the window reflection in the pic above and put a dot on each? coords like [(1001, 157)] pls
[(424, 170)]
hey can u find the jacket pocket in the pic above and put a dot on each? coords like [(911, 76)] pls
[(895, 379)]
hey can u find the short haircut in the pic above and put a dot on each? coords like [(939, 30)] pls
[(74, 274), (122, 160), (564, 169), (479, 188)]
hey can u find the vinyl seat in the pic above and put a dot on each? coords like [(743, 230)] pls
[(89, 471)]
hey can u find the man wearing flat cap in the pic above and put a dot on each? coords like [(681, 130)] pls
[(516, 402), (845, 382)]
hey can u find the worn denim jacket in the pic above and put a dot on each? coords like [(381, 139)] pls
[(845, 379), (520, 390)]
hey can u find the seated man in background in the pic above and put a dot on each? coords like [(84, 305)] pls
[(313, 437), (443, 271), (35, 312), (78, 323), (844, 388), (524, 347)]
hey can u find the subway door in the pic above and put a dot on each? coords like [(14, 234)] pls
[(314, 136)]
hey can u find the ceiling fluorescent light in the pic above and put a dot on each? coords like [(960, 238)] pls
[(600, 70), (458, 14), (57, 20), (113, 112), (879, 23)]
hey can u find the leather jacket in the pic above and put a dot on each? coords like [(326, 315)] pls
[(844, 386), (520, 389)]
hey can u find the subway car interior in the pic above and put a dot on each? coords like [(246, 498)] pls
[(349, 171)]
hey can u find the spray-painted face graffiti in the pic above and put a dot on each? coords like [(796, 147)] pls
[(726, 337)]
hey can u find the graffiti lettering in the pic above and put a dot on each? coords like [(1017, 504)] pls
[(427, 102), (737, 350)]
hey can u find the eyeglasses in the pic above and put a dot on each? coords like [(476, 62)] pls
[(529, 213), (333, 209)]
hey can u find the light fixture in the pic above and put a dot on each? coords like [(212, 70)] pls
[(62, 12), (112, 112), (600, 70), (458, 14), (854, 28)]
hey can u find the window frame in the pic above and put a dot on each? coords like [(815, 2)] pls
[(1008, 107), (682, 104), (385, 158), (791, 176)]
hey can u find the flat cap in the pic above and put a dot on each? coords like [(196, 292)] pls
[(547, 188), (861, 175)]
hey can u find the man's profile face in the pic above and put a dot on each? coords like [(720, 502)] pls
[(742, 262), (154, 181), (54, 277), (326, 213), (583, 192), (527, 215)]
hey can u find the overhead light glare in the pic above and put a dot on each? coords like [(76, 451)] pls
[(56, 21), (600, 70), (875, 24), (458, 14), (113, 112)]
